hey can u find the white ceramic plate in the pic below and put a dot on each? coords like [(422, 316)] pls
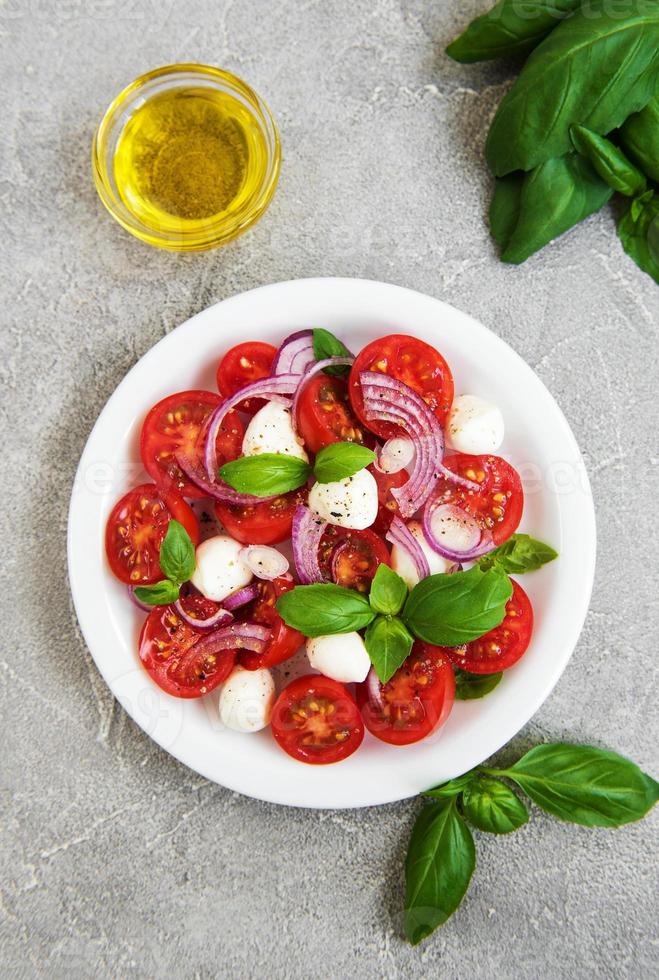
[(558, 509)]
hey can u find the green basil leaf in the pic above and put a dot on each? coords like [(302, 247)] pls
[(340, 460), (520, 553), (441, 858), (449, 610), (493, 807), (388, 644), (177, 554), (638, 229), (321, 610), (388, 591), (158, 594), (453, 788), (470, 687), (512, 27), (594, 69), (554, 197), (609, 161), (505, 207), (585, 785), (325, 345), (266, 475), (639, 136)]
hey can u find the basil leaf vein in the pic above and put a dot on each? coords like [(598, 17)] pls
[(177, 554), (388, 644), (341, 460), (449, 610), (520, 553), (158, 594), (388, 591), (324, 609), (266, 474)]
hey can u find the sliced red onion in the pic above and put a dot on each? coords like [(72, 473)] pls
[(400, 534), (221, 618), (242, 597), (264, 562), (238, 636), (307, 532), (395, 455), (339, 550), (137, 602), (467, 539), (295, 354), (277, 389), (390, 400), (218, 491), (374, 688), (461, 481), (308, 375)]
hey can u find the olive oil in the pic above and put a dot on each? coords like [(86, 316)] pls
[(189, 157)]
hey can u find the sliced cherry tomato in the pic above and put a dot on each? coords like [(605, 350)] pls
[(387, 506), (499, 503), (267, 522), (167, 648), (504, 645), (177, 424), (351, 558), (136, 528), (416, 701), (411, 361), (285, 641), (240, 366), (324, 414), (316, 720)]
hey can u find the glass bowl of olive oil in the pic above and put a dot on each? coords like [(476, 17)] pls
[(187, 157)]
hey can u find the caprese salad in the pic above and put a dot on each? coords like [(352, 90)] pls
[(352, 505)]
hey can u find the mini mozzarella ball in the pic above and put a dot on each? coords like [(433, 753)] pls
[(403, 564), (220, 570), (246, 699), (271, 431), (342, 657), (474, 426), (352, 502)]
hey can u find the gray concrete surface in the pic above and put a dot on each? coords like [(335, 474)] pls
[(115, 861)]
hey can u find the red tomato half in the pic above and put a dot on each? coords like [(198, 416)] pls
[(177, 424), (324, 414), (411, 361), (504, 645), (499, 503), (351, 558), (416, 701), (240, 366), (167, 648), (387, 506), (316, 720), (136, 528), (267, 522), (285, 641)]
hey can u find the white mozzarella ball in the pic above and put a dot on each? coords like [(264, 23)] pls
[(271, 431), (246, 699), (342, 657), (474, 426), (352, 502), (220, 569), (403, 564)]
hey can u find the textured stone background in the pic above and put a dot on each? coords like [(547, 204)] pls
[(115, 860)]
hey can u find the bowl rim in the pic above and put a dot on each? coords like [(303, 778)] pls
[(499, 718), (216, 231)]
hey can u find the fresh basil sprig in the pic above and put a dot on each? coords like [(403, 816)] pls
[(509, 28), (177, 562), (270, 474), (520, 553), (325, 345), (576, 783), (609, 161)]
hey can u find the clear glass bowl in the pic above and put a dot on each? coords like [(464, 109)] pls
[(195, 235)]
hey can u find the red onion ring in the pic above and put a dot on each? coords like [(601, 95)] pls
[(137, 602), (400, 534), (461, 481), (218, 491), (276, 389), (242, 597), (341, 547), (238, 636), (221, 618), (295, 354), (392, 458), (307, 532), (308, 375), (374, 688), (480, 541), (390, 400), (264, 562)]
